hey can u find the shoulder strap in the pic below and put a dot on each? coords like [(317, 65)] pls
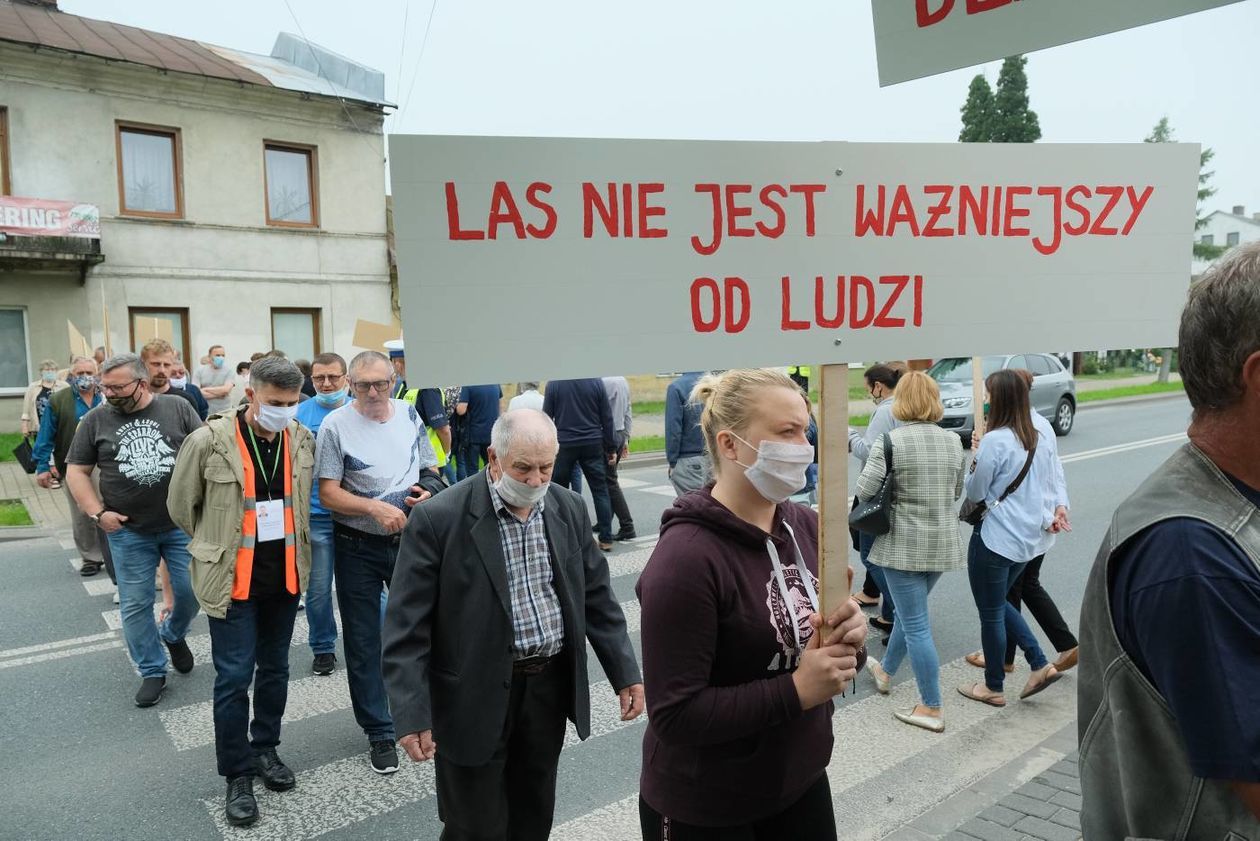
[(1023, 474), (888, 452)]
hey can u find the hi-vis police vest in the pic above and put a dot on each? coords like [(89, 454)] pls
[(249, 527), (411, 395)]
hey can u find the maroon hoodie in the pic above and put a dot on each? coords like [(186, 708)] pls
[(727, 742)]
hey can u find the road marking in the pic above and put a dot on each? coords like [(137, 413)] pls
[(631, 483), (68, 544), (99, 587), (192, 725), (49, 646), (58, 655), (1123, 448), (662, 490)]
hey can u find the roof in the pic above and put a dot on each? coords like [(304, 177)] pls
[(1247, 219), (46, 26)]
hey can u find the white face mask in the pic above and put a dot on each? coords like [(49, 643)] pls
[(274, 418), (519, 494), (179, 382), (780, 468)]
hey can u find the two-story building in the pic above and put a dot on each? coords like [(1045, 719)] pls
[(1226, 229), (151, 184)]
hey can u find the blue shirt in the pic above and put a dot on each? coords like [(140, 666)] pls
[(48, 429), (483, 410), (683, 437), (1016, 529), (310, 414), (1185, 600)]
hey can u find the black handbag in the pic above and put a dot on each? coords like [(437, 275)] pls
[(973, 513), (872, 516), (25, 454)]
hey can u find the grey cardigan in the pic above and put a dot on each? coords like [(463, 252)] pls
[(928, 469)]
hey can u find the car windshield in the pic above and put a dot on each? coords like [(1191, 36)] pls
[(958, 369)]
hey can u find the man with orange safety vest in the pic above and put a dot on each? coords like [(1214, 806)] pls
[(242, 490)]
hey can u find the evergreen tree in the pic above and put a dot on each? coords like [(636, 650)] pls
[(1013, 120), (977, 113), (1163, 133)]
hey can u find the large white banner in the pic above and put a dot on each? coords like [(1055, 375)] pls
[(537, 258), (916, 38)]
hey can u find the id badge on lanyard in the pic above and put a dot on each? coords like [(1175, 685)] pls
[(270, 517)]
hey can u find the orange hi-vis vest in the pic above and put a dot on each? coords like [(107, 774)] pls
[(249, 527)]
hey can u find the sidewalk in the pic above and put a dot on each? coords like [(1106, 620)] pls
[(1036, 797), (48, 508)]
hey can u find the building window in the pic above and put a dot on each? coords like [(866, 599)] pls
[(291, 186), (296, 332), (1232, 238), (5, 184), (148, 323), (15, 355), (1207, 239), (150, 171)]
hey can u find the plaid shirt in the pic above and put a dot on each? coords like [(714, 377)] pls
[(537, 625)]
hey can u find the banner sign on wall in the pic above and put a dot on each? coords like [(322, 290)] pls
[(538, 258), (49, 218), (917, 38)]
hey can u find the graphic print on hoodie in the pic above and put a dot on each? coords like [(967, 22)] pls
[(727, 742)]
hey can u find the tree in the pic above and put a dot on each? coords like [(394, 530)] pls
[(1013, 120), (1163, 133), (977, 112)]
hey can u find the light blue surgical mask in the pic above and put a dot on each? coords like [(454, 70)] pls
[(218, 361), (333, 399), (48, 376)]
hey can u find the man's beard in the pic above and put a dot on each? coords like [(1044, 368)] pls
[(157, 382)]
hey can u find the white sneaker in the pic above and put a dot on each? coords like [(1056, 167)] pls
[(116, 597)]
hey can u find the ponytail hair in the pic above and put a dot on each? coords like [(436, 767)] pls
[(729, 401)]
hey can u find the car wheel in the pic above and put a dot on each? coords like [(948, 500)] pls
[(1064, 417)]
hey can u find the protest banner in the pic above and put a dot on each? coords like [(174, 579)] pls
[(917, 38), (79, 346), (147, 329), (577, 258), (372, 336)]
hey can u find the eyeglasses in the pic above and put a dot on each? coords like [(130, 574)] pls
[(381, 386), (328, 378), (117, 389)]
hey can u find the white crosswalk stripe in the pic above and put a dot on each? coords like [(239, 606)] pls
[(662, 490), (99, 586)]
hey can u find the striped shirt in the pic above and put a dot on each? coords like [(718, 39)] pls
[(537, 624)]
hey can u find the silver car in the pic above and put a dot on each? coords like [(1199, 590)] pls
[(1053, 390)]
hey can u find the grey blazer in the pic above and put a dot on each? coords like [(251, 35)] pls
[(928, 469), (447, 641)]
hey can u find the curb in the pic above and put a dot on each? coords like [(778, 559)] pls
[(9, 534)]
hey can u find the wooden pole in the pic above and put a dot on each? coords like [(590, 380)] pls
[(105, 315), (835, 576), (977, 391)]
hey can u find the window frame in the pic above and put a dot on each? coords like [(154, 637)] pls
[(177, 161), (312, 182), (185, 329), (316, 323), (19, 391), (6, 181), (1207, 239), (1232, 238)]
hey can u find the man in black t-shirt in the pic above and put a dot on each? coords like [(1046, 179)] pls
[(133, 442), (242, 490)]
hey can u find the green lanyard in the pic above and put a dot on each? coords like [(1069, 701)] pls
[(262, 467)]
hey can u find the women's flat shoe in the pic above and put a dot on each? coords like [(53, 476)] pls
[(882, 679), (976, 658), (1067, 660), (927, 722)]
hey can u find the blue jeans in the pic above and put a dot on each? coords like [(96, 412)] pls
[(991, 579), (887, 606), (912, 632), (136, 556), (364, 565), (471, 455), (250, 645), (322, 634)]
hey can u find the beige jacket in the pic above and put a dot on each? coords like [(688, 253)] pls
[(207, 500), (28, 400)]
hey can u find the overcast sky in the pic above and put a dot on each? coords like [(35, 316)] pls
[(736, 69)]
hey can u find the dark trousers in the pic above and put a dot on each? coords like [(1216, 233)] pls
[(811, 818), (590, 457), (250, 644), (363, 565), (513, 796), (617, 499), (471, 454), (1029, 591)]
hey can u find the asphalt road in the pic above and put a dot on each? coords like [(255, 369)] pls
[(79, 761)]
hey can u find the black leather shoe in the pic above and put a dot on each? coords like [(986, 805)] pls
[(625, 534), (181, 656), (241, 808), (324, 664), (151, 689), (275, 774)]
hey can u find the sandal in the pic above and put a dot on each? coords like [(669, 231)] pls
[(1051, 676), (976, 658), (880, 624), (993, 699), (865, 600), (90, 568)]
